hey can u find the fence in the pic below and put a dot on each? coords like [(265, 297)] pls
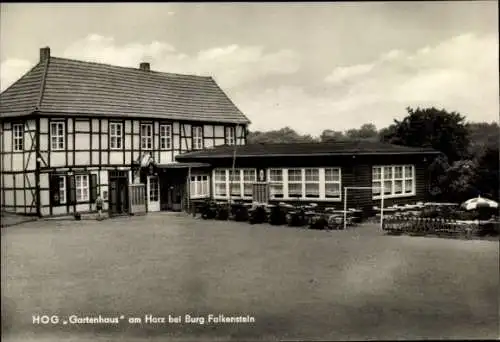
[(439, 226), (137, 197)]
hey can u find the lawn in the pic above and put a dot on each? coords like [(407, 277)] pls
[(296, 283)]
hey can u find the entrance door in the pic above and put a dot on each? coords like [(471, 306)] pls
[(118, 195), (175, 197), (153, 188)]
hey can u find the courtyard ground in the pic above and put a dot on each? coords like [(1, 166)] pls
[(297, 284)]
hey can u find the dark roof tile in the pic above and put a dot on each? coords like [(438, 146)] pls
[(304, 149), (77, 87)]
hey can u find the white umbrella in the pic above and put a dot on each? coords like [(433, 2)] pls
[(479, 202)]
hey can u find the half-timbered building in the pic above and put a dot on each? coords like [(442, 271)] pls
[(74, 130)]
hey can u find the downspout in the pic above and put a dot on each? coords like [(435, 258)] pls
[(37, 138), (232, 172)]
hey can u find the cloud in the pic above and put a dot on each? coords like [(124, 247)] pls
[(231, 65), (460, 74), (341, 74)]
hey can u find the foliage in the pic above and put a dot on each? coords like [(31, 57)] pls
[(431, 127), (283, 135)]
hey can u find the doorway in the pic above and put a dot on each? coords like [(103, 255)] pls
[(153, 191), (118, 193)]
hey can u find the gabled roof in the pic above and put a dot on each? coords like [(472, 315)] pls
[(305, 150), (70, 87)]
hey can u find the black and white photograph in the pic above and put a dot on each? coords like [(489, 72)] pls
[(257, 171)]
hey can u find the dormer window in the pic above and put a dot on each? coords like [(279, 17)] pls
[(230, 136), (197, 138)]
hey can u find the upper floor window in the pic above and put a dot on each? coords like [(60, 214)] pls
[(230, 136), (146, 136), (165, 137), (115, 135), (57, 135), (18, 134), (197, 138), (393, 180)]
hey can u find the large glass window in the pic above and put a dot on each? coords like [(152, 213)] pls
[(395, 180)]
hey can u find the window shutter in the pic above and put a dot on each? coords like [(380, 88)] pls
[(71, 190), (93, 188), (54, 190)]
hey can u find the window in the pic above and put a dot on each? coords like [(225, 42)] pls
[(199, 186), (18, 135), (62, 189), (249, 177), (153, 189), (197, 139), (295, 183), (82, 188), (235, 182), (276, 183), (57, 136), (165, 137), (240, 183), (220, 182), (312, 183), (146, 136), (230, 136), (332, 183), (115, 135), (395, 181)]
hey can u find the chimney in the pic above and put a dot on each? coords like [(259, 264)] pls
[(44, 54), (144, 66)]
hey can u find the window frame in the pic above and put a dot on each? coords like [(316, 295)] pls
[(199, 186), (383, 178), (330, 182), (165, 136), (197, 137), (146, 138), (61, 138), (240, 181), (63, 190), (314, 182), (273, 183), (18, 137), (116, 136), (81, 188), (230, 135)]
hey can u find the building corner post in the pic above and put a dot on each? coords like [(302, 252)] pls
[(37, 170)]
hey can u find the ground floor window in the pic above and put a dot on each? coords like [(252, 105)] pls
[(393, 180), (199, 187), (239, 183), (82, 188), (71, 189), (305, 183)]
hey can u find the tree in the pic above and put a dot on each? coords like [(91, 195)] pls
[(365, 132), (431, 127), (283, 135), (487, 180), (483, 136), (331, 135)]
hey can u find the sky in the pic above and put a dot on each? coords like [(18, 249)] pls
[(310, 66)]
